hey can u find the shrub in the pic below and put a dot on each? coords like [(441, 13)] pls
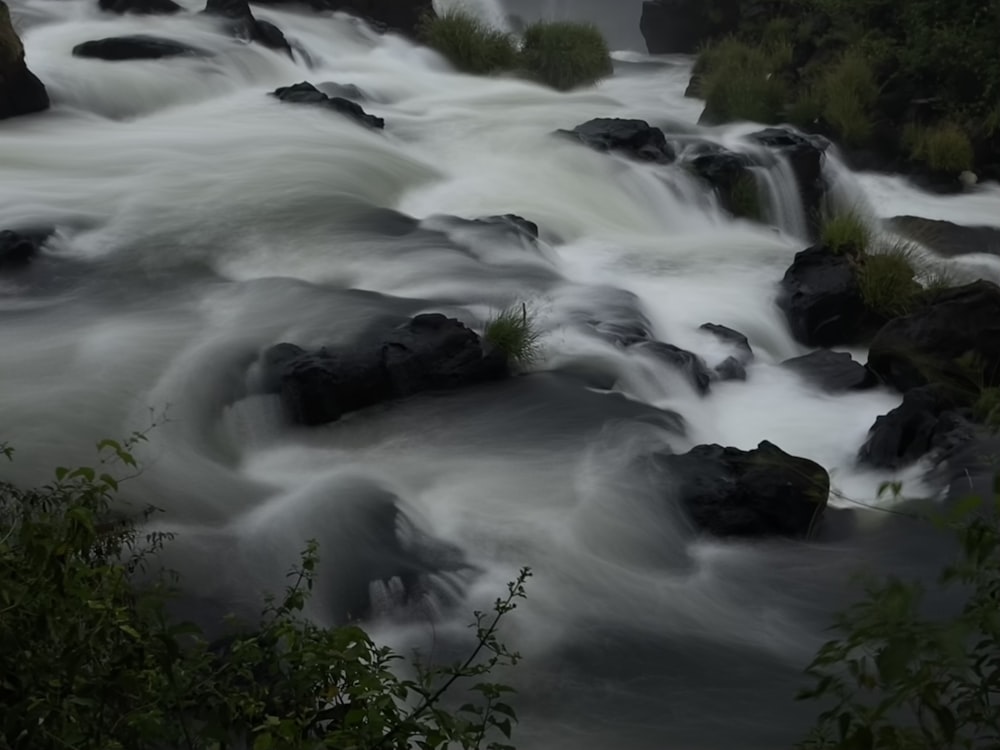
[(91, 661), (943, 148), (513, 331), (743, 82), (888, 280), (565, 55), (469, 44), (847, 92), (846, 232), (987, 407)]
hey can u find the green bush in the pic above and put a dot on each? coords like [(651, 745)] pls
[(513, 331), (847, 91), (888, 281), (91, 661), (565, 55), (846, 232), (469, 44), (743, 82), (943, 148), (987, 407)]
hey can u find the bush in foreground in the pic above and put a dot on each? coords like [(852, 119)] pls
[(565, 55), (469, 44), (846, 232), (91, 661), (888, 280), (513, 332)]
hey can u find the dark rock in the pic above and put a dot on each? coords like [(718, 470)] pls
[(403, 16), (805, 154), (731, 369), (306, 93), (723, 170), (734, 338), (21, 92), (821, 299), (430, 352), (242, 24), (140, 7), (832, 371), (138, 47), (926, 421), (17, 249), (633, 138), (690, 364), (947, 238), (681, 26), (518, 223), (343, 91), (764, 492), (953, 339)]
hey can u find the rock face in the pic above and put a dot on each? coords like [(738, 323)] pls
[(764, 492), (403, 16), (805, 155), (733, 367), (821, 299), (680, 26), (21, 93), (690, 364), (834, 372), (138, 47), (723, 170), (140, 7), (17, 249), (431, 352), (926, 346), (636, 139), (242, 24), (947, 238), (306, 93)]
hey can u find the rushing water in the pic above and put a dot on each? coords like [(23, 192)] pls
[(201, 221)]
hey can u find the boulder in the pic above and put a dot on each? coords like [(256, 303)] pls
[(343, 91), (21, 93), (954, 338), (18, 249), (765, 492), (821, 298), (681, 26), (241, 23), (691, 365), (430, 352), (636, 139), (723, 170), (140, 7), (731, 369), (947, 238), (403, 16), (834, 372), (805, 154), (137, 47), (733, 338), (929, 419), (306, 93)]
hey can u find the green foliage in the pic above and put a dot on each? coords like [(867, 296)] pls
[(895, 678), (565, 55), (943, 148), (469, 44), (91, 661), (744, 198), (847, 92), (888, 280), (987, 407), (743, 82), (513, 332), (846, 232)]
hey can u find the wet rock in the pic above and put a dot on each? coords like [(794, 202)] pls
[(834, 372), (947, 238), (403, 16), (731, 369), (137, 47), (430, 352), (734, 338), (954, 339), (806, 155), (21, 92), (140, 7), (343, 91), (821, 299), (306, 93), (681, 26), (18, 249), (764, 492), (725, 171), (241, 23), (636, 139), (691, 365), (517, 223)]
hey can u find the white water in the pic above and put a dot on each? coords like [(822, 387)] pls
[(201, 221)]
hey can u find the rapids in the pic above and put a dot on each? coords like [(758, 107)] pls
[(201, 221)]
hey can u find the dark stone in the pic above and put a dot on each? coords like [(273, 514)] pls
[(832, 371), (343, 91), (764, 492), (821, 299), (242, 24), (430, 352), (731, 369), (690, 364), (805, 154), (21, 93), (946, 238), (734, 338), (722, 170), (518, 223), (18, 249), (403, 16), (962, 323), (138, 47), (681, 26), (926, 421), (306, 93), (140, 7), (633, 138)]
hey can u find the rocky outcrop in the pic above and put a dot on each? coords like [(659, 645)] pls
[(137, 47), (240, 22), (834, 372), (687, 363), (306, 93), (18, 249), (430, 352), (402, 16), (763, 492), (724, 171), (636, 139), (806, 155), (681, 26), (953, 339), (821, 299), (140, 7), (733, 367), (947, 238), (21, 92)]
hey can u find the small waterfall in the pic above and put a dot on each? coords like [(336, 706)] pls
[(489, 11), (780, 197)]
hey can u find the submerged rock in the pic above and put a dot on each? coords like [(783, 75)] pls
[(21, 92), (688, 363), (734, 338), (763, 492), (18, 249), (636, 139), (725, 171), (806, 155), (242, 24), (832, 371), (430, 352), (140, 7), (137, 47), (947, 238), (306, 93)]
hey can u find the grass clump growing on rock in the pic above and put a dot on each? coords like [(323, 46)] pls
[(512, 331), (944, 148), (565, 55), (847, 93), (846, 232), (743, 82), (469, 44), (888, 280)]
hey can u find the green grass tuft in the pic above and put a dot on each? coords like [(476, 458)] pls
[(888, 280), (565, 55), (513, 331), (846, 232), (847, 93), (469, 44), (743, 82), (944, 148), (987, 407)]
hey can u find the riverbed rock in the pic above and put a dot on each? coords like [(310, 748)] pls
[(688, 363), (947, 238), (806, 155), (430, 352), (21, 92), (636, 139), (834, 372), (136, 47), (681, 26), (140, 7), (241, 23), (954, 339), (821, 299), (734, 338), (18, 249), (306, 93), (724, 171), (765, 492)]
